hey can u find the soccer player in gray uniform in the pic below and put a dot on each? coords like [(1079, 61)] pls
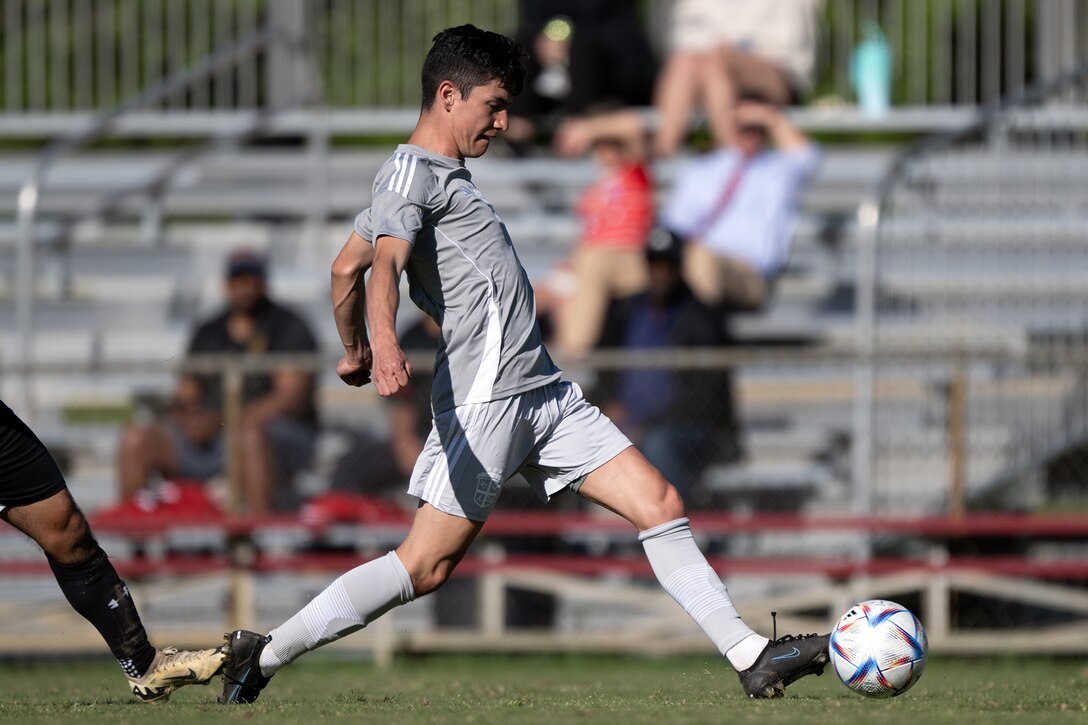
[(500, 405), (34, 499)]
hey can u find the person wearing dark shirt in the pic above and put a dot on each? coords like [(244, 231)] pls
[(584, 55), (279, 418), (680, 419)]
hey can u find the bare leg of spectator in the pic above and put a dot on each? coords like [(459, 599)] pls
[(720, 97), (142, 452), (677, 91), (602, 274), (734, 73), (720, 280)]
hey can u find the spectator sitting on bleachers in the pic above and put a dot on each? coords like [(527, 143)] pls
[(681, 420), (617, 213), (736, 207), (722, 50), (279, 420)]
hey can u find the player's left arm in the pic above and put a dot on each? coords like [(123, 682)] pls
[(348, 308), (391, 368)]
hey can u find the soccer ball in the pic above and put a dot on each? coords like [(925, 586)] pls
[(878, 648)]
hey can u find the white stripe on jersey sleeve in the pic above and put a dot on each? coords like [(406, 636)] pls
[(398, 160), (410, 175)]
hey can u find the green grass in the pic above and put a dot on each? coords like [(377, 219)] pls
[(559, 691)]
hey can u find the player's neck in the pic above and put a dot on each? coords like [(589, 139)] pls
[(434, 136)]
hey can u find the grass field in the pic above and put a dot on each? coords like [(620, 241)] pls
[(558, 690)]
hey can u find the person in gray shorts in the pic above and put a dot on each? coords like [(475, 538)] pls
[(500, 405)]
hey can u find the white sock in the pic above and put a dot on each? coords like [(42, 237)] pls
[(745, 653), (347, 605), (685, 574)]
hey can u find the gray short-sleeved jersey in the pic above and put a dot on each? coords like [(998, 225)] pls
[(463, 272)]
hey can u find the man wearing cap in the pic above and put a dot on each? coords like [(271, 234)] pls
[(279, 419)]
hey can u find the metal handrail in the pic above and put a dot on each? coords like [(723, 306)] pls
[(870, 212), (985, 117), (30, 191)]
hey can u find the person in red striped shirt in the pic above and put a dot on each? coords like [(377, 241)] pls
[(617, 215)]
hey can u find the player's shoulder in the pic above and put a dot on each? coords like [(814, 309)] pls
[(409, 174)]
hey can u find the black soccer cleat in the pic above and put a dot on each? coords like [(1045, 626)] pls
[(783, 662), (242, 678)]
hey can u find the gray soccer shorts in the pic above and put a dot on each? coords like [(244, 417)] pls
[(551, 435)]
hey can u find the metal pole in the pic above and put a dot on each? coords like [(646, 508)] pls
[(864, 379), (957, 439), (24, 295), (286, 62), (232, 427)]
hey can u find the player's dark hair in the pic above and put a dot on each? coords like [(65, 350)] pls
[(468, 57)]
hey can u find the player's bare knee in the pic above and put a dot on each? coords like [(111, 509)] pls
[(668, 506), (70, 540), (428, 579)]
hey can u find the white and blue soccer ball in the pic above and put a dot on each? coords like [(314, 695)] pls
[(878, 648)]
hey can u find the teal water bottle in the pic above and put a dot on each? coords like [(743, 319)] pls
[(871, 72)]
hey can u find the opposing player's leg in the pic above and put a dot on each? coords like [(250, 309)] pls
[(93, 588), (435, 544), (629, 485)]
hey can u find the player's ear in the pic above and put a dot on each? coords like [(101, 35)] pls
[(446, 95)]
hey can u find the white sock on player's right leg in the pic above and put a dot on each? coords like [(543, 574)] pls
[(347, 605), (687, 577)]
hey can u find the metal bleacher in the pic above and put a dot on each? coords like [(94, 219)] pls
[(119, 299), (113, 296)]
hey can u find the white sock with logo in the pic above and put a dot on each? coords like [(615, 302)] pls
[(685, 574), (351, 602)]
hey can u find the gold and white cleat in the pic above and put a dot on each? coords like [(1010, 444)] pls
[(173, 668)]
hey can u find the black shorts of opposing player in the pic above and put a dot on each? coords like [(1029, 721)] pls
[(28, 473)]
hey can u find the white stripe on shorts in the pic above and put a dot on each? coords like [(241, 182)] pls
[(439, 479)]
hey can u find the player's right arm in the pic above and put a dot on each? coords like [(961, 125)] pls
[(391, 368), (348, 308), (406, 193)]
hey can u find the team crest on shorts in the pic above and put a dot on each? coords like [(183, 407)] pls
[(488, 485)]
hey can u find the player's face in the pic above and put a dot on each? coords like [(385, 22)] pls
[(479, 118)]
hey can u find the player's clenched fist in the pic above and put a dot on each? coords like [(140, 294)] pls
[(391, 369), (354, 369)]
